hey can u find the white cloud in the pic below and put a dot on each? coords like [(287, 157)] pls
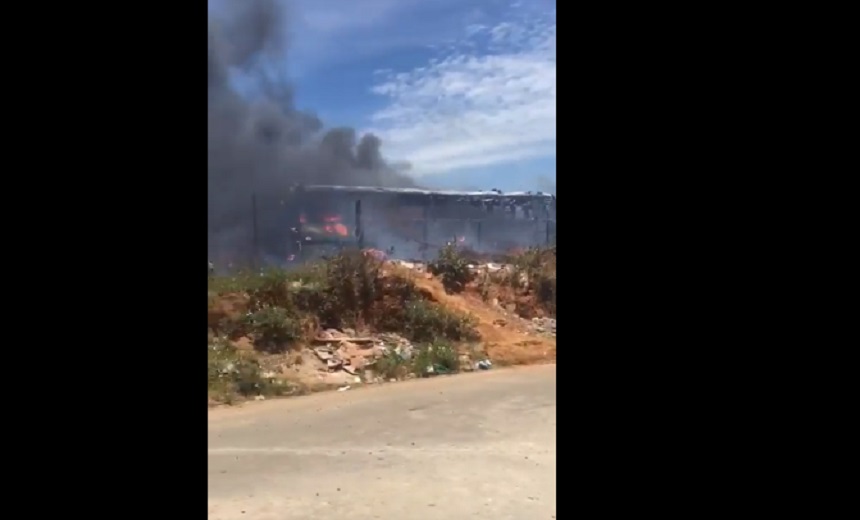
[(490, 99), (332, 32)]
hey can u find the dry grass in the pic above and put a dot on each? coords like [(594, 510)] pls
[(530, 286), (274, 313), (280, 309), (510, 344)]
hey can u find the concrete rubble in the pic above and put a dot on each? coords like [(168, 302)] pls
[(350, 357), (353, 357), (414, 265), (420, 266), (543, 325), (343, 351)]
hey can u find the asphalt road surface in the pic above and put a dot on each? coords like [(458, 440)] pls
[(470, 446)]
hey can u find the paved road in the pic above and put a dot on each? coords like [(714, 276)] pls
[(454, 448)]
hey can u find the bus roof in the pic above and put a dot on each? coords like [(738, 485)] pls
[(521, 195)]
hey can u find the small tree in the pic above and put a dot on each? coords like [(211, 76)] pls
[(452, 268)]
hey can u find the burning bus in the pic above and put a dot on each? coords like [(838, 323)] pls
[(414, 223)]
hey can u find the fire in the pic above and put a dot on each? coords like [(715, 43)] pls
[(336, 229), (331, 224)]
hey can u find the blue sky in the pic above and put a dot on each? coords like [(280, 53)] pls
[(464, 90)]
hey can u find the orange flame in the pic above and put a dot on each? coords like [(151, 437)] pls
[(336, 229), (332, 225)]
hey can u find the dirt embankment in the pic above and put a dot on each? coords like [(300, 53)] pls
[(506, 338), (365, 322)]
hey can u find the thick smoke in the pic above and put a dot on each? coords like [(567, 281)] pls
[(260, 146)]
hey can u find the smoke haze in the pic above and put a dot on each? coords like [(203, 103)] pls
[(264, 144)]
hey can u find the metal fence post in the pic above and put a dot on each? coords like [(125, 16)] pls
[(359, 231)]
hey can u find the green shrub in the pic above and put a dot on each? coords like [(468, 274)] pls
[(538, 267), (453, 268), (240, 281), (352, 288), (270, 289), (274, 328), (425, 321), (345, 291), (231, 376), (436, 358), (391, 366), (546, 292)]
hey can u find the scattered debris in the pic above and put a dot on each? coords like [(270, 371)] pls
[(336, 336), (355, 357), (499, 300), (345, 339), (489, 267), (466, 364), (543, 326), (324, 353), (391, 342)]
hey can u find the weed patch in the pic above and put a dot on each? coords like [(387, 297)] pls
[(349, 290), (392, 366), (435, 359), (233, 377), (452, 268), (425, 321), (274, 328)]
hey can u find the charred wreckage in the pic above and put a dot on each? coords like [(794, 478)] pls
[(413, 223), (407, 223)]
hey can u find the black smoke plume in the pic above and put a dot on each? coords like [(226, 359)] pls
[(260, 146)]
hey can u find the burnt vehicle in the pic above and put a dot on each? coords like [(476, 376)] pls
[(413, 223)]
